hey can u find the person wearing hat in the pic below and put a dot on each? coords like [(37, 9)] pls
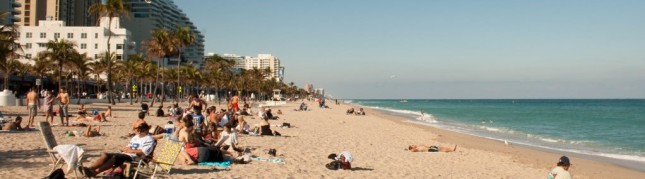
[(140, 145), (561, 171)]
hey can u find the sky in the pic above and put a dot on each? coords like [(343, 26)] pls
[(432, 49)]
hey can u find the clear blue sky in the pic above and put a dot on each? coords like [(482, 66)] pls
[(439, 49)]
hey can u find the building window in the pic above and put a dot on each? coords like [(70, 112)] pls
[(96, 56), (96, 35), (56, 35), (119, 46), (43, 35), (119, 57), (83, 35), (28, 55), (27, 1), (28, 35), (27, 19), (28, 46), (83, 46), (96, 46), (42, 45), (70, 35)]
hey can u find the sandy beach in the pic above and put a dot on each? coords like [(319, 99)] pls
[(376, 141)]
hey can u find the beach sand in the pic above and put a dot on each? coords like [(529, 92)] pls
[(376, 141)]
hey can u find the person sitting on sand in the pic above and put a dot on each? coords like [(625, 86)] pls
[(140, 145), (264, 128), (13, 126), (279, 112), (425, 148), (145, 108), (100, 117), (160, 112), (350, 111), (228, 139), (561, 171), (92, 132), (213, 133), (360, 112), (137, 123), (303, 107), (242, 126), (270, 114), (108, 113), (175, 110), (82, 111)]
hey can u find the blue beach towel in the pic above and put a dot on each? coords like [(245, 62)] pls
[(225, 164)]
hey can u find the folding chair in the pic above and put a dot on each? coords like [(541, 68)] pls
[(163, 159), (50, 142)]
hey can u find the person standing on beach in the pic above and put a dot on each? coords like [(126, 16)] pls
[(49, 111), (63, 99), (235, 103), (32, 106), (561, 171)]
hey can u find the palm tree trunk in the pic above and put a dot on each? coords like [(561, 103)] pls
[(131, 92), (109, 63), (154, 92)]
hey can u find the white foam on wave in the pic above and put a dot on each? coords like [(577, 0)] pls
[(493, 129)]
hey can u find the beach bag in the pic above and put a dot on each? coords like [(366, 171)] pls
[(57, 174), (287, 125)]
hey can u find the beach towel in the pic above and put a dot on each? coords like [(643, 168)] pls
[(271, 160), (71, 154), (225, 164)]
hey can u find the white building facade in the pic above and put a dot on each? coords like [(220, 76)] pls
[(90, 40), (262, 61)]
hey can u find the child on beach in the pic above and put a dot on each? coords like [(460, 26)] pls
[(561, 171)]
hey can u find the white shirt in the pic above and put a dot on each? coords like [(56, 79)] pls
[(347, 155), (145, 144), (560, 173), (227, 138)]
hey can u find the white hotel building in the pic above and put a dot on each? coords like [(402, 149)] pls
[(91, 40), (262, 61)]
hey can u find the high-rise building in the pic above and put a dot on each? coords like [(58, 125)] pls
[(262, 61), (309, 88), (9, 6), (146, 17), (71, 12), (90, 40)]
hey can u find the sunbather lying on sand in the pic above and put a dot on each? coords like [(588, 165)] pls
[(425, 148), (92, 132), (15, 125)]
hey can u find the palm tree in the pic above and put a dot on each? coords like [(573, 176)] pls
[(218, 69), (111, 9), (160, 45), (184, 37), (130, 67), (59, 51), (97, 68), (9, 48), (81, 68)]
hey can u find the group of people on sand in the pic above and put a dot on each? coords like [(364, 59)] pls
[(360, 111), (209, 137)]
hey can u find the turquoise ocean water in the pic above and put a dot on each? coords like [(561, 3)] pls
[(607, 128)]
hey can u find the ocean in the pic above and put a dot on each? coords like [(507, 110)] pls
[(606, 128)]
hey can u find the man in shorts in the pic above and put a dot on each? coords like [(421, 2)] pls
[(63, 99), (32, 106), (140, 145)]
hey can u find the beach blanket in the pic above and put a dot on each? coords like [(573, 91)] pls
[(225, 164), (271, 160), (71, 154)]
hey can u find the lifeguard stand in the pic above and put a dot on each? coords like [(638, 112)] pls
[(277, 94)]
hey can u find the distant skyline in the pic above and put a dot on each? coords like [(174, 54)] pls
[(439, 49)]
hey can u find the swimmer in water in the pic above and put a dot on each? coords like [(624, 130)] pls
[(483, 121), (491, 121)]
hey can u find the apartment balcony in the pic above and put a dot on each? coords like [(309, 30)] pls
[(16, 4), (15, 19), (16, 12)]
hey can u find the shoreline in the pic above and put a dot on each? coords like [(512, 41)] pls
[(588, 165)]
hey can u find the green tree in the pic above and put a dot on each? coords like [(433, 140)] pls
[(59, 51), (160, 45), (111, 9), (9, 49)]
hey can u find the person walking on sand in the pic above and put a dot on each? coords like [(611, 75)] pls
[(49, 111), (32, 106), (561, 171), (63, 99)]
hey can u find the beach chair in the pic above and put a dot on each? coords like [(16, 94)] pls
[(162, 161), (50, 143)]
